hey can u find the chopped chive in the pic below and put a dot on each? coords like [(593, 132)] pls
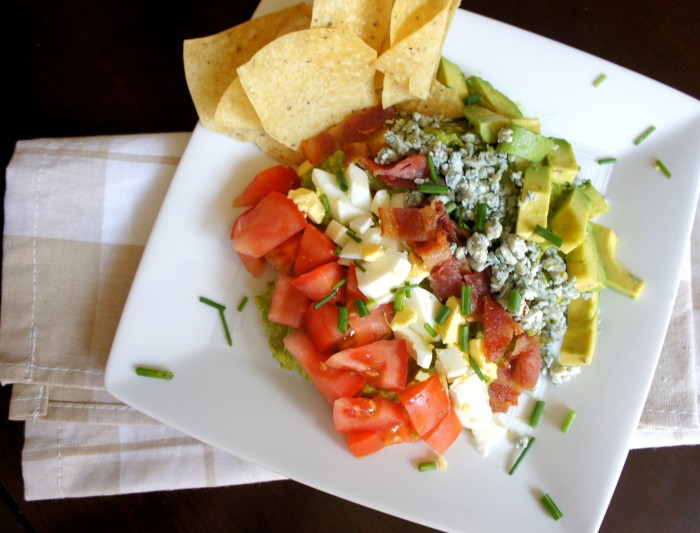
[(568, 421), (431, 168), (549, 236), (464, 338), (663, 168), (153, 373), (471, 99), (476, 369), (514, 301), (480, 218), (354, 236), (326, 203), (426, 466), (522, 455), (442, 314), (399, 300), (212, 303), (607, 160), (536, 414), (343, 319), (325, 300), (431, 331), (600, 79), (242, 303), (342, 182), (405, 287), (450, 206), (466, 294), (427, 188), (339, 284), (225, 326), (548, 502), (361, 307), (338, 249), (644, 135), (359, 265)]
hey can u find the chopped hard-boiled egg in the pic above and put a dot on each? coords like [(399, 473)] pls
[(382, 198), (418, 348), (452, 362), (342, 209), (403, 318), (426, 305), (308, 203), (358, 187), (380, 276), (418, 271), (361, 224), (338, 233), (477, 351), (449, 330), (371, 252)]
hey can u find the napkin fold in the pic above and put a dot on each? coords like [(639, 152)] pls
[(78, 213)]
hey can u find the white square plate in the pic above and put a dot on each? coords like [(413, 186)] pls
[(237, 398)]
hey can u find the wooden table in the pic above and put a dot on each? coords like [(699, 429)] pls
[(89, 68)]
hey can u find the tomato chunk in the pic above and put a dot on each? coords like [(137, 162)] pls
[(278, 178), (363, 443), (366, 414), (426, 403), (288, 304), (315, 249), (331, 383), (370, 328), (322, 326), (384, 363), (283, 256), (319, 282), (441, 437), (272, 221)]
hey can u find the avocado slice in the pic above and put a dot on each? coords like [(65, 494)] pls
[(598, 203), (563, 161), (527, 144), (619, 278), (486, 122), (584, 264), (492, 98), (529, 123), (581, 337), (571, 219), (534, 202), (451, 76)]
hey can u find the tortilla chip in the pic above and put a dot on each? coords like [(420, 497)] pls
[(368, 19), (211, 62), (306, 81), (394, 93), (268, 145), (442, 100), (235, 110)]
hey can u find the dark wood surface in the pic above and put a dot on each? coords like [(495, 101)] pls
[(89, 68)]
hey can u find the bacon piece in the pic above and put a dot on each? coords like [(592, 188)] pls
[(432, 253), (480, 282), (402, 174), (499, 328), (408, 223), (526, 361), (502, 395), (446, 279)]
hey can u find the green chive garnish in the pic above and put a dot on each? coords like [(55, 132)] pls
[(359, 265), (607, 160), (153, 373), (466, 294), (480, 218), (433, 189), (476, 369), (663, 168), (337, 249), (404, 288), (325, 300), (536, 413), (428, 465), (339, 284), (342, 182), (212, 303), (354, 236), (472, 99), (548, 502), (514, 301), (343, 319), (442, 314), (225, 326), (361, 307), (431, 168), (644, 135), (566, 425), (326, 203), (431, 331), (242, 303), (522, 455), (464, 338), (549, 236), (600, 79), (450, 206), (399, 300)]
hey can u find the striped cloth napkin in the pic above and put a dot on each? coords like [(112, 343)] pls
[(78, 212)]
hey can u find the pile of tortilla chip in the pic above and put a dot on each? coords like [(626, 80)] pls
[(282, 78)]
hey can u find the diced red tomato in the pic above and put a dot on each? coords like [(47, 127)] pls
[(319, 282), (315, 249), (283, 256), (322, 326), (330, 382), (426, 403), (272, 221), (352, 289), (384, 363), (278, 178), (499, 328), (363, 443), (254, 265), (370, 328), (366, 414), (441, 437), (288, 304)]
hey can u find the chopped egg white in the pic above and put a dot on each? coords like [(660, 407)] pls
[(426, 305), (380, 276), (308, 203), (452, 362), (418, 348), (358, 187)]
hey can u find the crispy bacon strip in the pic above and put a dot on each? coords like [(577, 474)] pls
[(408, 223), (402, 174), (520, 372)]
